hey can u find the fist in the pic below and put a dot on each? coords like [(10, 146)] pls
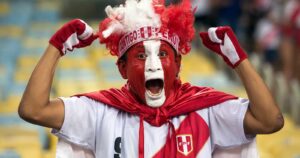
[(74, 34), (222, 41)]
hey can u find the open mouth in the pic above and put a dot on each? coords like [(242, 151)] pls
[(154, 86)]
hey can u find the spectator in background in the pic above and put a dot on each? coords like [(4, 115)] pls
[(203, 13), (252, 12), (267, 36), (211, 13), (290, 48), (229, 13), (205, 17)]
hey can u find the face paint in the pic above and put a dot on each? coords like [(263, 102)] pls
[(151, 71), (154, 75)]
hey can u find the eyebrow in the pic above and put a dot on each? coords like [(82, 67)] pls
[(140, 46)]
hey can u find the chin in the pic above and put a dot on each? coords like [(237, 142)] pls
[(155, 102)]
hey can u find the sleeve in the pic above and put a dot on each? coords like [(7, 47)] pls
[(226, 123), (80, 121), (65, 149), (248, 150)]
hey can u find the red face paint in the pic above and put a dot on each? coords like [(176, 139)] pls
[(142, 59), (135, 66), (171, 68)]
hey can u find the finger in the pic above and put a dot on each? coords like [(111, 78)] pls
[(204, 36), (88, 31), (212, 34), (95, 35), (206, 40), (222, 30)]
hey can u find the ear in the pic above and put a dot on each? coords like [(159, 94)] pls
[(178, 63), (122, 65)]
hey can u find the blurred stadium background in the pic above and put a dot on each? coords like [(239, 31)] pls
[(267, 29)]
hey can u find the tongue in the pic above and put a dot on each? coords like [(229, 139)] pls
[(154, 86), (154, 89)]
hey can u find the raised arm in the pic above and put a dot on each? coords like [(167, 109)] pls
[(263, 115), (35, 106)]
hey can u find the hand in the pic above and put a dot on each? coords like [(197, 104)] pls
[(222, 41), (74, 34)]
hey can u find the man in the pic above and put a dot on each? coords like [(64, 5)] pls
[(154, 114)]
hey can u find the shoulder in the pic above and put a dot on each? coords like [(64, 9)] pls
[(82, 100), (227, 105), (85, 103), (229, 108), (232, 103)]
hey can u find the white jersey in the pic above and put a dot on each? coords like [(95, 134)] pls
[(107, 132)]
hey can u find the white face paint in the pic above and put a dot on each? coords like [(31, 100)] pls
[(153, 70)]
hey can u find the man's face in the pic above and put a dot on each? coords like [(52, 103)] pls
[(151, 69)]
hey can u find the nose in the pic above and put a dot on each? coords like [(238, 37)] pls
[(153, 69), (153, 64)]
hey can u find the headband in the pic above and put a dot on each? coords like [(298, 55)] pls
[(146, 33)]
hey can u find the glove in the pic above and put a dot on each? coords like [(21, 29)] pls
[(74, 34), (222, 41)]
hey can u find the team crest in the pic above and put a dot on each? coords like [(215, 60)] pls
[(184, 144)]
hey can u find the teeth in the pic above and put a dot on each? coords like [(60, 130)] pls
[(154, 95)]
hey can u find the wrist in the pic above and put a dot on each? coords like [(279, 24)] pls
[(244, 64), (235, 65), (57, 45), (55, 51)]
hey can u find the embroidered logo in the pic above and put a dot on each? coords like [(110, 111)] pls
[(184, 144)]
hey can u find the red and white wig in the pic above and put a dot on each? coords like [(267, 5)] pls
[(137, 21)]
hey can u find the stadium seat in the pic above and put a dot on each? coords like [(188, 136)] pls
[(9, 153), (281, 90), (32, 42), (285, 143), (4, 8), (10, 48), (24, 141), (66, 88), (109, 69), (294, 100), (6, 71), (76, 63), (46, 12), (11, 31), (19, 13), (40, 30), (11, 121)]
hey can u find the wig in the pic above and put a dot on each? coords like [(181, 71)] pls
[(176, 19)]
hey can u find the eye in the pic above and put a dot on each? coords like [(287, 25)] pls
[(141, 56), (162, 54)]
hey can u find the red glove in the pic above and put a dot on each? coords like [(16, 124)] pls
[(74, 34), (222, 40)]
